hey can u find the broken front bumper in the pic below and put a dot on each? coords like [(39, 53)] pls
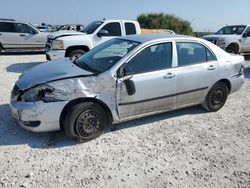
[(38, 116)]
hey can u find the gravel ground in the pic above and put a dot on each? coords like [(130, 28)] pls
[(184, 148)]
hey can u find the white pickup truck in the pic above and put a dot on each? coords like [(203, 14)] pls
[(233, 38), (73, 44)]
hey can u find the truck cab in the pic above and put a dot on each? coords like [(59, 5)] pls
[(74, 44)]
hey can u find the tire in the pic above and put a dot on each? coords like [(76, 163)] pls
[(85, 121), (216, 97), (232, 49), (75, 54)]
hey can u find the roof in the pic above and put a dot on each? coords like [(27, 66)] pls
[(150, 37), (7, 20)]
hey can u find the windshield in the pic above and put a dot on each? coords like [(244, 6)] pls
[(90, 28), (231, 30), (106, 55)]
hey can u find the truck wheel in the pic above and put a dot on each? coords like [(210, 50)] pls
[(216, 97), (85, 121), (232, 48), (75, 54)]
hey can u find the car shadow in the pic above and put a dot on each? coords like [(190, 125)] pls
[(158, 117), (22, 53), (247, 72), (12, 134), (21, 67)]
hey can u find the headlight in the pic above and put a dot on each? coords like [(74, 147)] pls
[(221, 42), (37, 93), (57, 45)]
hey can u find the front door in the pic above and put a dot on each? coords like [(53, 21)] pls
[(154, 82), (29, 37), (245, 43), (196, 72), (113, 29)]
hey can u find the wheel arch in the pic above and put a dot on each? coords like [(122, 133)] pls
[(227, 82), (236, 44), (78, 47), (78, 100)]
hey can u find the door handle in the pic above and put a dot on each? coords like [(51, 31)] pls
[(22, 35), (0, 34), (211, 67), (169, 75)]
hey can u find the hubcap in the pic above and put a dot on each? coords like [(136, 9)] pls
[(217, 97), (88, 124)]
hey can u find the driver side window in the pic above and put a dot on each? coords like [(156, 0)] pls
[(114, 29), (153, 58)]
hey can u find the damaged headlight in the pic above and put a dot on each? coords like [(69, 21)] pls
[(39, 93)]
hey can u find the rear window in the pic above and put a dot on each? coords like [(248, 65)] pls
[(130, 28), (7, 27)]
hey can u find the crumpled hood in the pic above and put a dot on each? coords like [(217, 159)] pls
[(58, 34), (50, 71)]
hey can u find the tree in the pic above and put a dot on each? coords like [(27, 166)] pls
[(165, 21)]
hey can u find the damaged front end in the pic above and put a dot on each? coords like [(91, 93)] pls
[(39, 108)]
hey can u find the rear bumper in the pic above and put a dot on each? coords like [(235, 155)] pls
[(236, 82), (54, 54)]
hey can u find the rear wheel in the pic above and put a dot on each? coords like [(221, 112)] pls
[(85, 121), (216, 97), (75, 54)]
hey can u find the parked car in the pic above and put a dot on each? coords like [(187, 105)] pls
[(20, 36), (74, 44), (232, 38), (122, 79)]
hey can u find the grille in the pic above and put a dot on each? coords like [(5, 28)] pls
[(48, 44)]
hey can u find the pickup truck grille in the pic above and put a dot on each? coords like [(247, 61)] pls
[(49, 44)]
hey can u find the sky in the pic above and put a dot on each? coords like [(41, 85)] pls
[(204, 15)]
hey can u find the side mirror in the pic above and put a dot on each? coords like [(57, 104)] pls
[(244, 35), (130, 86), (102, 33)]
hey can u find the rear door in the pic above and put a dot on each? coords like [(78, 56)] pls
[(10, 39), (195, 73), (151, 72)]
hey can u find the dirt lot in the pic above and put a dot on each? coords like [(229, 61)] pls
[(184, 148)]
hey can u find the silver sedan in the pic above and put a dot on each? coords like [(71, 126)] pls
[(123, 79)]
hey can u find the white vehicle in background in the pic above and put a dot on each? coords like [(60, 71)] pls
[(15, 36), (74, 44), (233, 39)]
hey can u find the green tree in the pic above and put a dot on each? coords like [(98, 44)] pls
[(165, 21)]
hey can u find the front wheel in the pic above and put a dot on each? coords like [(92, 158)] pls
[(234, 49), (85, 121), (216, 97), (75, 54)]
